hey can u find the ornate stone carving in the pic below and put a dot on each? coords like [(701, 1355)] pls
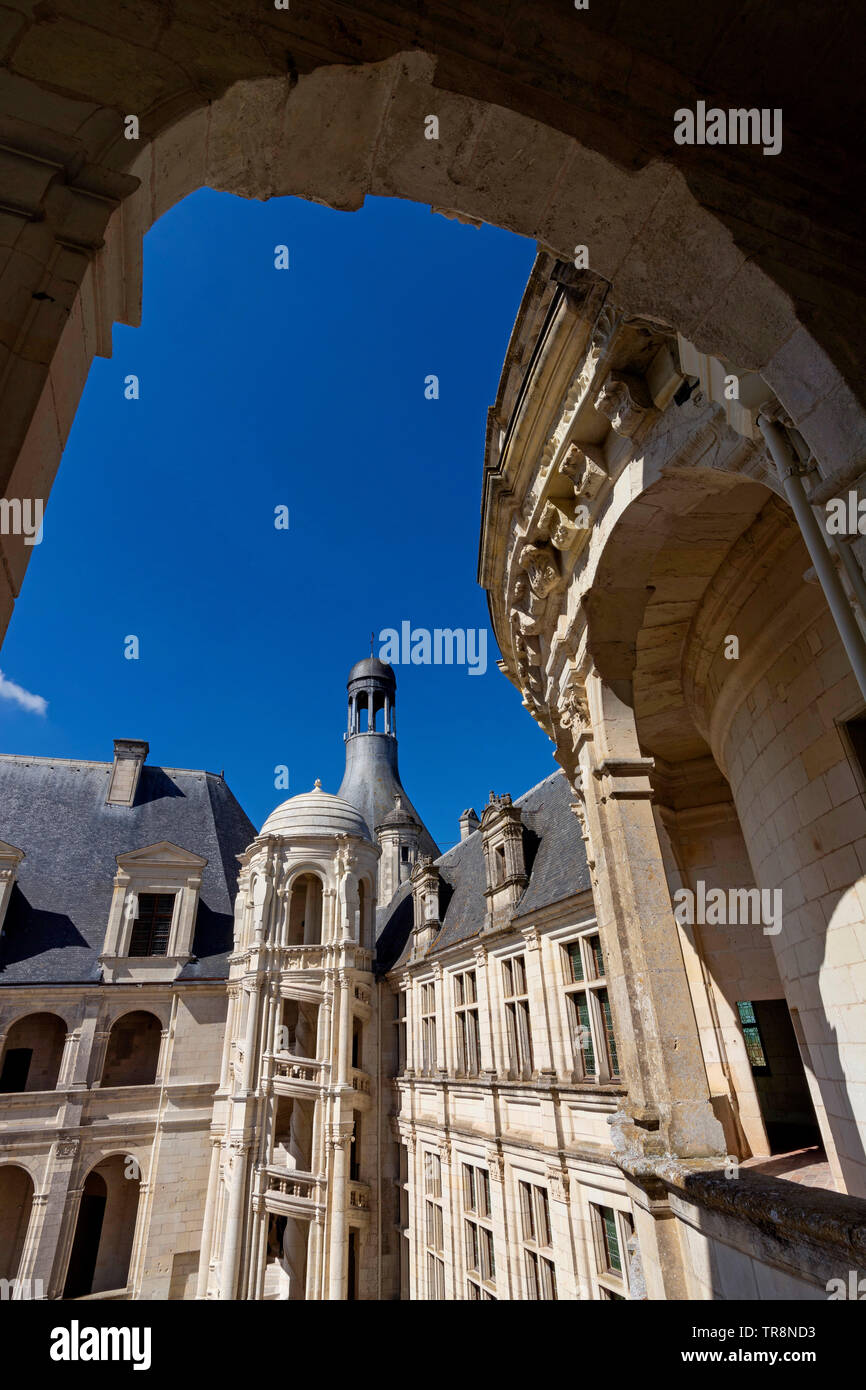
[(579, 809), (574, 708), (557, 1183), (619, 400), (562, 525), (66, 1148), (532, 939), (542, 568), (586, 469), (495, 1165), (339, 1136)]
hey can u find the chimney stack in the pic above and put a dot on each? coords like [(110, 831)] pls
[(468, 823)]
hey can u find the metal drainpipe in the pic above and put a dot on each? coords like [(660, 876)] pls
[(790, 473), (835, 544)]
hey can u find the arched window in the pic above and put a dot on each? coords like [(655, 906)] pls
[(105, 1229), (16, 1200), (132, 1054), (33, 1053), (305, 913)]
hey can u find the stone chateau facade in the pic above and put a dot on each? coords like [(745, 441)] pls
[(611, 1044)]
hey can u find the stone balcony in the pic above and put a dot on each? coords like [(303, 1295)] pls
[(362, 1087), (304, 959), (297, 1076), (359, 1197), (290, 1192)]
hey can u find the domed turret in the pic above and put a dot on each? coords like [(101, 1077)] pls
[(316, 814)]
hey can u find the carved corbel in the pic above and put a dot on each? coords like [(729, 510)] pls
[(561, 525), (623, 401), (541, 565), (584, 465)]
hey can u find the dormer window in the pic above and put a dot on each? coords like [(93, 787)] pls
[(152, 925), (504, 858), (153, 913)]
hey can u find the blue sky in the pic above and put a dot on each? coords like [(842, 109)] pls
[(261, 388)]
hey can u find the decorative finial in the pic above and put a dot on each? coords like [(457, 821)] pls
[(318, 785), (372, 640)]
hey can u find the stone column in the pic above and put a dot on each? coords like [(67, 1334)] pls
[(343, 1040), (339, 1141), (411, 1025), (541, 1048), (209, 1214), (329, 916), (163, 1060), (234, 1220), (26, 1264), (441, 1053), (315, 1248), (57, 1227), (500, 1049), (89, 1055), (502, 1234), (451, 1219), (668, 1107), (250, 1036), (67, 1061), (485, 1021), (559, 1197)]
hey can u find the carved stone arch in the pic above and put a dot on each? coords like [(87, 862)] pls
[(246, 127), (660, 559)]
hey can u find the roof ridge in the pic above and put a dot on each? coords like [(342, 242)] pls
[(26, 758)]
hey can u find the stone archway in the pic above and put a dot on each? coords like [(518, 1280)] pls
[(101, 1252), (335, 135), (16, 1202), (754, 784)]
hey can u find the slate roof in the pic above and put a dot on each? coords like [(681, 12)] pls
[(555, 857), (54, 810)]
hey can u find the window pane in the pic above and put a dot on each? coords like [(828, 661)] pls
[(489, 1263), (611, 1240), (527, 1212), (612, 1059), (473, 1259), (543, 1217), (752, 1035), (575, 960), (531, 1265), (597, 957), (483, 1192), (519, 975), (585, 1034)]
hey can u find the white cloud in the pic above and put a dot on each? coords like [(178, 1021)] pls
[(19, 696)]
